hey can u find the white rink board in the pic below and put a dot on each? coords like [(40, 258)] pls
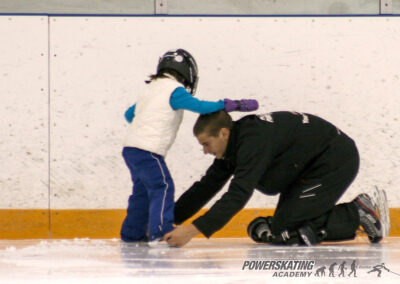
[(344, 69), (24, 112)]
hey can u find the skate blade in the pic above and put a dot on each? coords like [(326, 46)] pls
[(382, 207)]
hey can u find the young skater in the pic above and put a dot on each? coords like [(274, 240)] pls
[(155, 120)]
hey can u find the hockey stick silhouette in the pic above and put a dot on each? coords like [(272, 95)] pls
[(394, 272)]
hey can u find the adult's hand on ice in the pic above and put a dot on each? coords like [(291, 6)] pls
[(181, 235)]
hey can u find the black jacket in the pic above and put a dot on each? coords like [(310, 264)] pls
[(265, 152)]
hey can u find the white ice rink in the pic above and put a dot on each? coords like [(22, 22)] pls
[(201, 261)]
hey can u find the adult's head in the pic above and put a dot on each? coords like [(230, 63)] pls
[(212, 131)]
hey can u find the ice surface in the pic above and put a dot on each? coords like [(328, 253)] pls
[(201, 261)]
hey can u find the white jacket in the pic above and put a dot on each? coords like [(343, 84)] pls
[(156, 123)]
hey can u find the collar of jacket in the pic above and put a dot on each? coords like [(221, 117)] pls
[(231, 147)]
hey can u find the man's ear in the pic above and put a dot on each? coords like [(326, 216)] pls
[(225, 132)]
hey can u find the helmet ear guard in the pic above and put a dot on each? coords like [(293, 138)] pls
[(181, 62)]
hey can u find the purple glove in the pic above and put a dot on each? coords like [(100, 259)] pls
[(240, 105)]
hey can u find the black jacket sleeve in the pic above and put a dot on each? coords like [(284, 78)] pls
[(202, 191), (252, 159)]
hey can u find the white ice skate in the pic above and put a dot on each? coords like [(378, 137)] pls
[(374, 215)]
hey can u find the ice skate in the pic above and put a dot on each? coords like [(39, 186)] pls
[(369, 217), (157, 243)]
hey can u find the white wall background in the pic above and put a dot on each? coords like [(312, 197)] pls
[(344, 69), (23, 112)]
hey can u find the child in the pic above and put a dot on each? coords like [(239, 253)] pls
[(155, 120)]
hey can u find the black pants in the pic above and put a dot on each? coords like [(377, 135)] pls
[(313, 197)]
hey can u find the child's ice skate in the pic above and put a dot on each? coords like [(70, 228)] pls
[(157, 243)]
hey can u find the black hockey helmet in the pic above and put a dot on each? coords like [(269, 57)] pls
[(183, 63)]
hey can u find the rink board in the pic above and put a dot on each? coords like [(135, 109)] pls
[(106, 223), (63, 96)]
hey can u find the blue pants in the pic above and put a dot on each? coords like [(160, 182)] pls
[(151, 205)]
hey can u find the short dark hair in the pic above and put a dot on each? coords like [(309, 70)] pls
[(212, 123)]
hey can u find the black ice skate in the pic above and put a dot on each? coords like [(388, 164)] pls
[(369, 217)]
